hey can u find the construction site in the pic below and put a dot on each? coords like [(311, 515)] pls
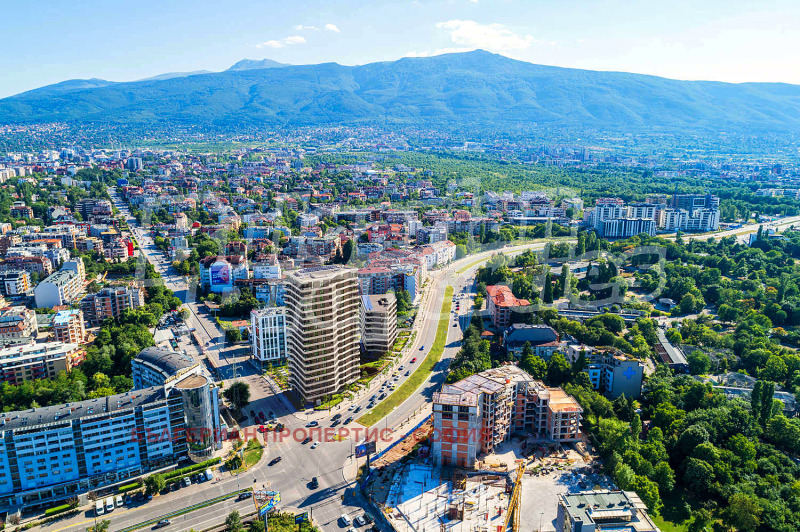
[(434, 499)]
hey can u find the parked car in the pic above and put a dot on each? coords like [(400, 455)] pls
[(345, 520), (315, 445), (314, 483), (359, 521), (337, 416), (308, 439), (348, 420), (312, 423)]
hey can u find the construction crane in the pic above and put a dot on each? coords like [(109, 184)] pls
[(512, 515)]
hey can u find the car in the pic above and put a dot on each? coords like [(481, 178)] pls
[(335, 422), (368, 518), (315, 445), (312, 423), (271, 414), (348, 420), (359, 521), (187, 482), (275, 460), (369, 406), (422, 348), (337, 416), (308, 439), (314, 483), (344, 519), (455, 325), (351, 529), (413, 360), (407, 373), (128, 500), (383, 395), (400, 368), (162, 523), (357, 410), (244, 495), (372, 399)]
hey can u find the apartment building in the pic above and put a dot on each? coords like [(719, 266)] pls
[(17, 324), (53, 453), (611, 372), (68, 326), (38, 361), (181, 376), (110, 302), (322, 318), (378, 323), (501, 303), (60, 288), (14, 282), (603, 510), (219, 273), (474, 415), (268, 339), (38, 265)]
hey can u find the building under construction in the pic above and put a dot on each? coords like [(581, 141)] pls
[(474, 415), (423, 498)]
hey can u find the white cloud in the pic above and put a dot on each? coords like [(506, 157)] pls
[(301, 27), (293, 39), (494, 37), (438, 52), (331, 27)]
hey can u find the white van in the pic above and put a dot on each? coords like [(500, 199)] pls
[(118, 500), (110, 504), (98, 507)]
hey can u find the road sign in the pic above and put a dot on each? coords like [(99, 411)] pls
[(299, 518)]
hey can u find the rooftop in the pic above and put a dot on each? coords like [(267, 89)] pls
[(621, 511), (25, 419), (168, 361)]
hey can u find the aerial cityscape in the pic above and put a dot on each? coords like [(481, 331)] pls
[(506, 282)]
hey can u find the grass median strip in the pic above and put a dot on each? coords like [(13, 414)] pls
[(421, 373), (182, 511)]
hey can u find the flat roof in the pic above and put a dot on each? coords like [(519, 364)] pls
[(33, 417)]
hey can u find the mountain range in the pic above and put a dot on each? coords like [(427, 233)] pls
[(471, 89)]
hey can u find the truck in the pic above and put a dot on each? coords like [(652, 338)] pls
[(209, 475)]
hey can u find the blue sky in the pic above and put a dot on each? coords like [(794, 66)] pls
[(46, 41)]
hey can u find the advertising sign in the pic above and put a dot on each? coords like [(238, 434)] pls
[(365, 449), (220, 273)]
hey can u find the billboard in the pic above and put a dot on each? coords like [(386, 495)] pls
[(220, 273), (266, 500), (365, 449)]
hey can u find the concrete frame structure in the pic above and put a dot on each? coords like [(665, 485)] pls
[(378, 323)]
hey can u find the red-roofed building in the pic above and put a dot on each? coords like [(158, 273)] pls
[(501, 303)]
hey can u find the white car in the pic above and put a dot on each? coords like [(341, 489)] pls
[(315, 445)]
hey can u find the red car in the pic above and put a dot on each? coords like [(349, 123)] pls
[(413, 360)]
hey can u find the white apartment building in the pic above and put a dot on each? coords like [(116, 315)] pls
[(322, 319), (14, 282), (59, 288), (378, 322), (268, 339)]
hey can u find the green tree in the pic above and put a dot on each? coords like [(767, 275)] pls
[(238, 395), (547, 293), (233, 523), (102, 526), (558, 370), (743, 512), (699, 362), (154, 483)]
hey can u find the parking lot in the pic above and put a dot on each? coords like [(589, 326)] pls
[(540, 493)]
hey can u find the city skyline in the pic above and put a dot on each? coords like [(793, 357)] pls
[(732, 41)]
